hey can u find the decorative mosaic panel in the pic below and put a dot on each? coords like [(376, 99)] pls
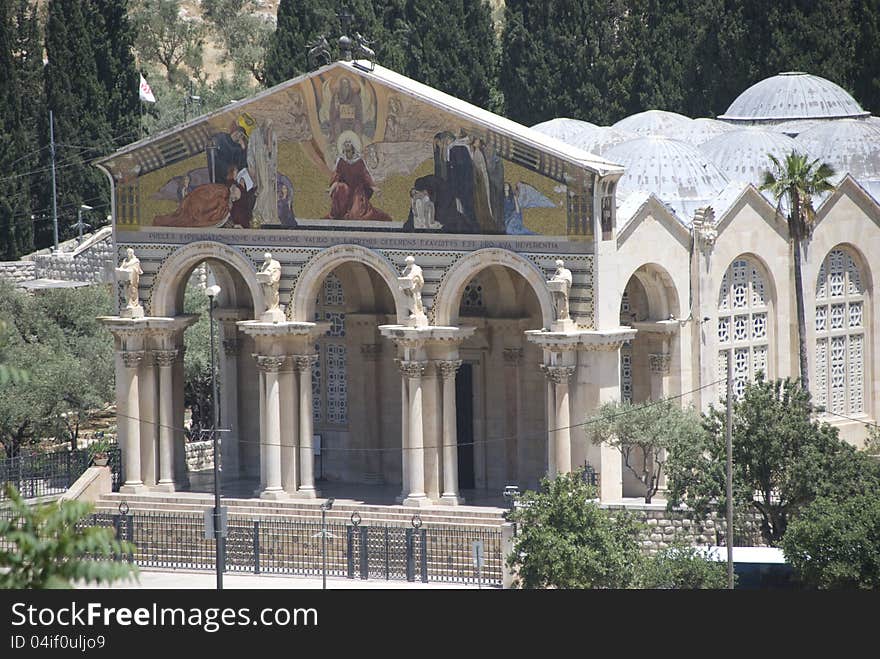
[(337, 395)]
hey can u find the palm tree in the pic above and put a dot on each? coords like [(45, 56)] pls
[(797, 180)]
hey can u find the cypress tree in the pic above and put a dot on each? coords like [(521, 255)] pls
[(298, 23), (79, 101), (15, 222)]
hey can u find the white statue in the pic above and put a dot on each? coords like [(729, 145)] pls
[(129, 271), (411, 283), (269, 278), (560, 285)]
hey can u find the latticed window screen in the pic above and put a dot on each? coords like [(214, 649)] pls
[(743, 317), (839, 385), (329, 392), (472, 299), (626, 373)]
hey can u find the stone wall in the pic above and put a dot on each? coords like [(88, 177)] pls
[(17, 271), (91, 261), (661, 527)]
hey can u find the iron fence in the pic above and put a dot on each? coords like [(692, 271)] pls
[(281, 545), (45, 474)]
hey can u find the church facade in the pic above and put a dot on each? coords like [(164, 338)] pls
[(392, 308)]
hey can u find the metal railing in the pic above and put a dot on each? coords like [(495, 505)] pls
[(270, 545), (46, 474)]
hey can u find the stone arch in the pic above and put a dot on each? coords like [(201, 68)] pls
[(446, 302), (170, 279), (308, 283), (662, 295)]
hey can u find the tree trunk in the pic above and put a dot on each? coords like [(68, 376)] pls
[(795, 230)]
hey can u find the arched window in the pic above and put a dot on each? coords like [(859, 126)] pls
[(743, 317), (329, 377), (840, 335)]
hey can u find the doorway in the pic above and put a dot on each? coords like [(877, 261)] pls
[(464, 425)]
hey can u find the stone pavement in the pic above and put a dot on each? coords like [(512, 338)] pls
[(191, 580)]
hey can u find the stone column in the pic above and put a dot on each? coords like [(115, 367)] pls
[(660, 363), (229, 447), (372, 393), (512, 384), (432, 430), (415, 458), (129, 425), (550, 400), (448, 369), (559, 376), (289, 426), (270, 435), (404, 435), (165, 361), (149, 423), (181, 474), (304, 364)]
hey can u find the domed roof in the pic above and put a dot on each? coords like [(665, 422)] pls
[(698, 131), (792, 95), (651, 122), (675, 171), (742, 154), (848, 145), (564, 129), (793, 128)]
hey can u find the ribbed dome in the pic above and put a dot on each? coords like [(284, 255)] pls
[(849, 145), (698, 131), (742, 154), (793, 128), (651, 122), (675, 171), (792, 95), (564, 129)]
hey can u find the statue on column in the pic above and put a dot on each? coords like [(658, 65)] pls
[(411, 283), (560, 285), (269, 278), (129, 272)]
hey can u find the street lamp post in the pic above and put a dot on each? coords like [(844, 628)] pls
[(327, 505), (79, 219), (213, 292)]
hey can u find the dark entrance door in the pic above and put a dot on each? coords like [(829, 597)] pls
[(464, 425)]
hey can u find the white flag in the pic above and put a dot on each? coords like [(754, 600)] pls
[(145, 92)]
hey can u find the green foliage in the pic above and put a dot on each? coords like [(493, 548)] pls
[(682, 567), (782, 459), (197, 392), (167, 39), (647, 435), (243, 33), (835, 542), (566, 540), (48, 546), (68, 355)]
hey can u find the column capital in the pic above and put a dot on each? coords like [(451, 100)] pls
[(232, 347), (303, 362), (513, 356), (660, 362), (412, 369), (132, 358), (371, 351), (448, 367), (557, 374), (269, 363), (165, 357)]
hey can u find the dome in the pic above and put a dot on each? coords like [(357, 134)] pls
[(651, 122), (698, 131), (849, 145), (792, 95), (673, 170), (742, 154), (564, 129), (795, 127)]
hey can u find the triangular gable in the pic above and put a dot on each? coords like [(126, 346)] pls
[(347, 144), (851, 188), (641, 208), (752, 197)]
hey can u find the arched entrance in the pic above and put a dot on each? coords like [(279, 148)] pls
[(501, 424), (649, 364)]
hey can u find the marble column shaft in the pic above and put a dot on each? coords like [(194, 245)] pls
[(558, 377), (165, 360), (304, 365), (448, 369), (130, 424), (270, 435), (415, 453)]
